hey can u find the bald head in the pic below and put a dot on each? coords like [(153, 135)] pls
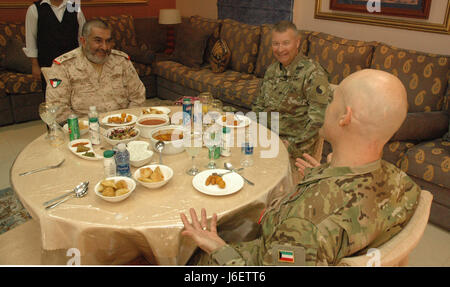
[(369, 106)]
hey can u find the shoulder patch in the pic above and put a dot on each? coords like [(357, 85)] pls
[(120, 53), (65, 57)]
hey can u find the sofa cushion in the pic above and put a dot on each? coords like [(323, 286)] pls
[(15, 58), (210, 26), (17, 83), (142, 70), (265, 55), (9, 30), (393, 152), (242, 92), (123, 32), (243, 41), (220, 56), (424, 76), (190, 45), (422, 126), (338, 56), (429, 161)]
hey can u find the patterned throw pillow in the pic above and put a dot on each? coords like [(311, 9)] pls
[(340, 57), (190, 45), (210, 26), (424, 75), (220, 57), (243, 41), (123, 32)]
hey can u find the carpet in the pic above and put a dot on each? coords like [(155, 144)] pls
[(12, 212)]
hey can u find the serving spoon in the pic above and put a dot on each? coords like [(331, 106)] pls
[(79, 193), (229, 166), (76, 189), (159, 146)]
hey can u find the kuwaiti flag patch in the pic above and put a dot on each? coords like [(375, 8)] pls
[(55, 82), (286, 256)]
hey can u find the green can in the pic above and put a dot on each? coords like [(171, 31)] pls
[(74, 129)]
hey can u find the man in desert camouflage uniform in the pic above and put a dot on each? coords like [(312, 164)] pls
[(93, 75), (296, 87), (340, 209)]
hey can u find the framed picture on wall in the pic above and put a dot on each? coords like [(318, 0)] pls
[(402, 8), (417, 15)]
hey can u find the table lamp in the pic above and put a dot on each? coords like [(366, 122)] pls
[(169, 17)]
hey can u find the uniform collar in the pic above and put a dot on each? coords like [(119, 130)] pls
[(83, 60), (292, 66), (325, 171)]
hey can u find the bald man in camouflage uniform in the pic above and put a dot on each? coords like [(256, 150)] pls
[(93, 75), (340, 209), (296, 87)]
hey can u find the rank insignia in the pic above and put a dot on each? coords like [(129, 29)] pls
[(55, 82)]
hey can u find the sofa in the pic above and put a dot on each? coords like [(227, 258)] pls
[(421, 147), (20, 94)]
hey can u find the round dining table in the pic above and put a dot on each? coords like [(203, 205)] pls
[(148, 222)]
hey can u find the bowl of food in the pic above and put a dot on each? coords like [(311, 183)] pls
[(115, 189), (139, 153), (117, 135), (147, 123), (83, 126), (153, 176), (171, 135), (155, 111)]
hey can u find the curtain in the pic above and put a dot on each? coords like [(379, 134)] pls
[(255, 12)]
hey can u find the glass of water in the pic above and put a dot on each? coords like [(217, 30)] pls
[(193, 144)]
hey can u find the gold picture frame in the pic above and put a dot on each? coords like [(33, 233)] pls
[(362, 18), (26, 3)]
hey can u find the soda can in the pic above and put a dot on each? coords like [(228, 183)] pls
[(187, 111), (74, 129)]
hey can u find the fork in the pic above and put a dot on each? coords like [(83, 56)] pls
[(42, 168)]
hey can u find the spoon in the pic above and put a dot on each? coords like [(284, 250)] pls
[(76, 189), (79, 193), (159, 146), (229, 166)]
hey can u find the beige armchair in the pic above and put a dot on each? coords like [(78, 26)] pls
[(395, 252)]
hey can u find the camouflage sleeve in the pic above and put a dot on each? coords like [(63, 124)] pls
[(318, 94), (258, 105), (305, 243), (134, 86), (59, 90)]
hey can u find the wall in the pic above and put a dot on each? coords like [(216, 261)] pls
[(304, 19), (205, 8), (150, 9)]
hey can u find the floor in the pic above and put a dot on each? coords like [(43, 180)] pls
[(433, 249)]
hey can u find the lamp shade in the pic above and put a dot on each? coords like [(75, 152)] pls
[(169, 16)]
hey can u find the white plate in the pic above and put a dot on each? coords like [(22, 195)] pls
[(82, 131), (164, 110), (80, 154), (233, 182), (243, 122), (105, 120)]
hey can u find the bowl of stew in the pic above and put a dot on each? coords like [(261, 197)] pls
[(171, 135), (147, 123)]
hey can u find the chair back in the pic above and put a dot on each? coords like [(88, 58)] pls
[(395, 251)]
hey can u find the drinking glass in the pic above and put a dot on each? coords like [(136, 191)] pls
[(205, 99), (193, 144), (215, 109), (212, 141), (47, 112)]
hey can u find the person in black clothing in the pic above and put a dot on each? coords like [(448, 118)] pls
[(51, 30)]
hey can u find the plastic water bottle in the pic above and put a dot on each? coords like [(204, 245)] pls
[(226, 142), (94, 127), (122, 158), (197, 113), (247, 151), (187, 112), (109, 164)]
